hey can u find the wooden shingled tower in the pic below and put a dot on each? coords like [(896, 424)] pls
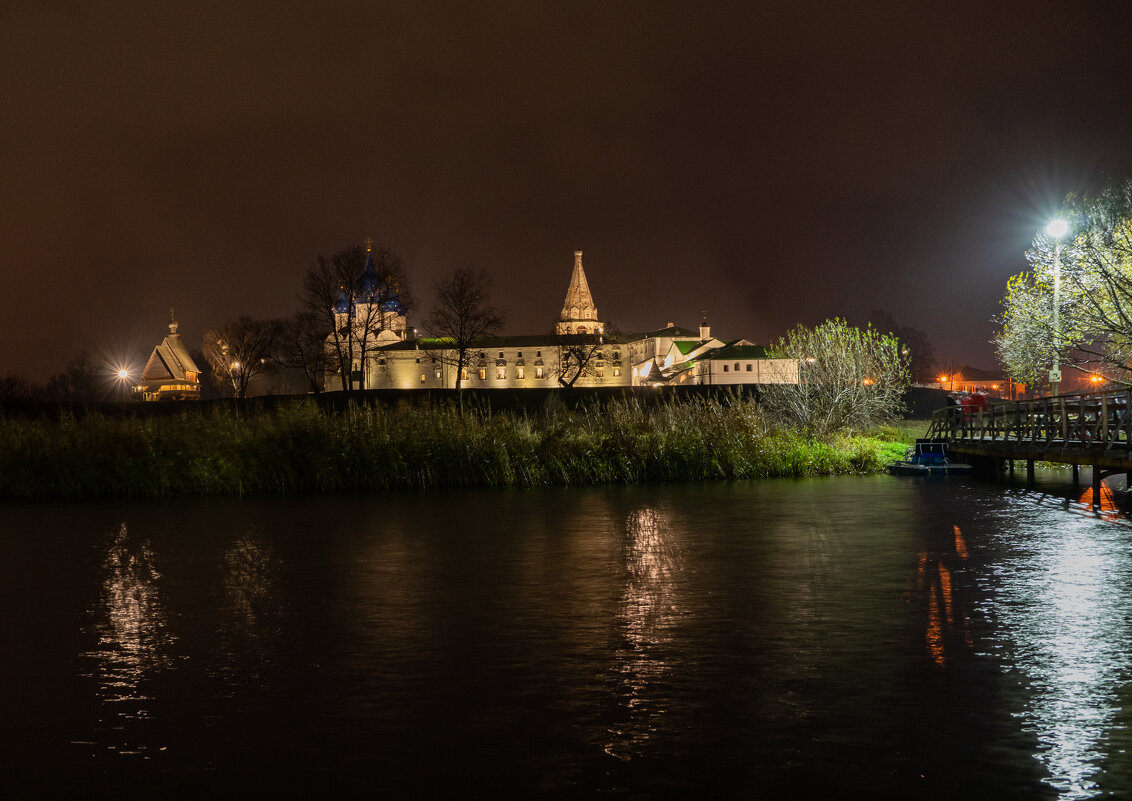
[(579, 314)]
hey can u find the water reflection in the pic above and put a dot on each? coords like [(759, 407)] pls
[(1064, 614), (250, 613), (649, 610), (131, 625), (1106, 507), (948, 626)]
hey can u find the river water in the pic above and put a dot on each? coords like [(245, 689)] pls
[(835, 638)]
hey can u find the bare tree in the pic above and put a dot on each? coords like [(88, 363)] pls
[(463, 314), (241, 350), (575, 353), (920, 353), (356, 295), (78, 384), (302, 345)]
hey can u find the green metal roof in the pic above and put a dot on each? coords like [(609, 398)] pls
[(732, 352)]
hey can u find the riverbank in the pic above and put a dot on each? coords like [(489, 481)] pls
[(299, 448)]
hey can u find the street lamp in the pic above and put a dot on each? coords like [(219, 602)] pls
[(1056, 229)]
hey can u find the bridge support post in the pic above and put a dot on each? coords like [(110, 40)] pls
[(1096, 487), (1030, 470), (1076, 474)]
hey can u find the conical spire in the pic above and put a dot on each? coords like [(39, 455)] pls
[(579, 314)]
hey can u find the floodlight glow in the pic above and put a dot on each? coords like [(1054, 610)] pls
[(123, 374), (1057, 228)]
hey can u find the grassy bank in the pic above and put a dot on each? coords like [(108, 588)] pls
[(299, 448)]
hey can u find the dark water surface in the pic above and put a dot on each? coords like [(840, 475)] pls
[(840, 638)]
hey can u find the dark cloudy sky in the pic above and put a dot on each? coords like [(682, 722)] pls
[(770, 163)]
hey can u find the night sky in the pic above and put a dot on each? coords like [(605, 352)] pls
[(768, 163)]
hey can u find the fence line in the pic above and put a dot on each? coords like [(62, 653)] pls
[(1101, 421)]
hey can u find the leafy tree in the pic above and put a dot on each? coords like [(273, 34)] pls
[(1094, 330), (355, 295), (464, 314), (850, 379), (239, 351)]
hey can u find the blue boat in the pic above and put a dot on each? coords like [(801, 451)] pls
[(928, 457)]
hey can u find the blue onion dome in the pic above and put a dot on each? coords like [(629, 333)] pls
[(343, 305), (372, 288)]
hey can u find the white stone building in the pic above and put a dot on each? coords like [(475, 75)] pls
[(578, 354)]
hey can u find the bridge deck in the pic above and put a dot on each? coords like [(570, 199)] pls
[(1093, 429)]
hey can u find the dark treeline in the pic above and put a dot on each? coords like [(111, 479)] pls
[(292, 446)]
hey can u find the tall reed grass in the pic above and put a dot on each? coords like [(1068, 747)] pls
[(300, 448)]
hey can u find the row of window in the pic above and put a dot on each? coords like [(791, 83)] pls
[(520, 373), (736, 367), (518, 355)]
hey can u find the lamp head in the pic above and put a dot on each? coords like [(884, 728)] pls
[(1057, 228)]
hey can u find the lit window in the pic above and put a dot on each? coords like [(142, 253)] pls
[(519, 373), (601, 372), (422, 378), (502, 373), (617, 371), (464, 374), (483, 374), (438, 374), (538, 372)]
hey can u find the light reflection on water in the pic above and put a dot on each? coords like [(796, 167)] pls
[(629, 640), (649, 610), (252, 604), (1059, 596), (130, 624)]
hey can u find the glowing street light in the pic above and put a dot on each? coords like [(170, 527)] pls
[(1056, 229)]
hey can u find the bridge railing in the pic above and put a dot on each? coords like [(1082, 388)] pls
[(1092, 420)]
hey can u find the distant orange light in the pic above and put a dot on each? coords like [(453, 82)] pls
[(942, 378)]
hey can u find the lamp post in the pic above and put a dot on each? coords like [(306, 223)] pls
[(1056, 229)]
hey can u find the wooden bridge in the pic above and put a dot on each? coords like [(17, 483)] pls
[(1092, 429)]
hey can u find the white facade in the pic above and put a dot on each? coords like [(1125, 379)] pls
[(498, 363), (670, 355)]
